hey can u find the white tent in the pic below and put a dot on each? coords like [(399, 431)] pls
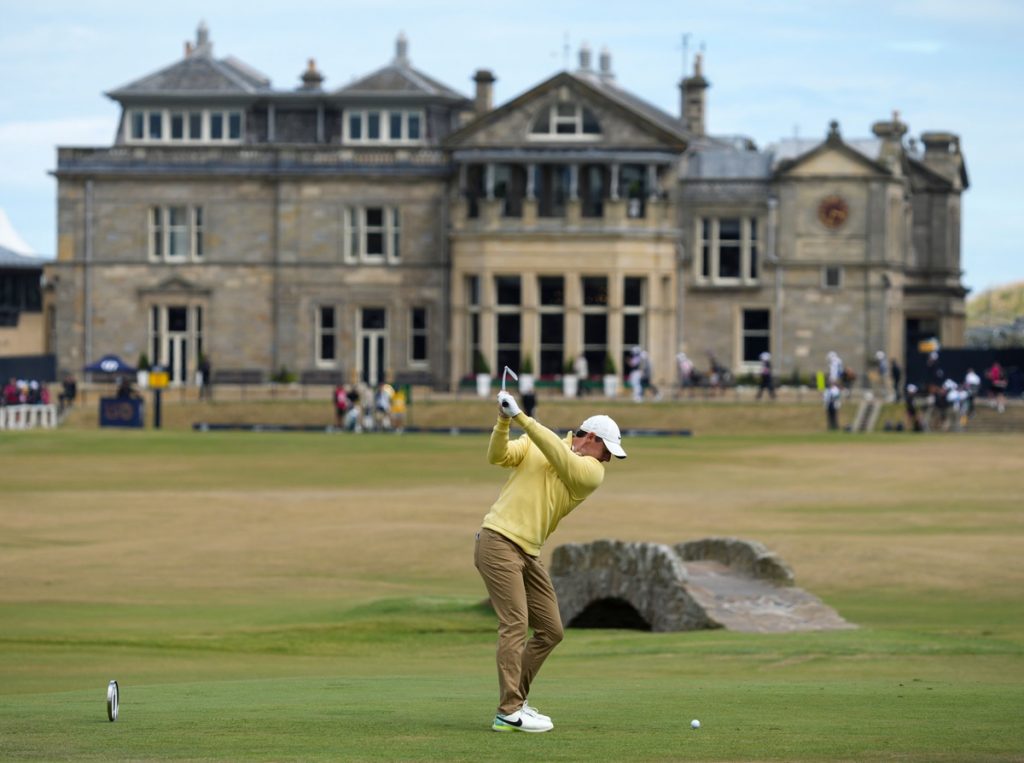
[(9, 238)]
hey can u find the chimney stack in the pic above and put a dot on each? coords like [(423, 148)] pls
[(484, 80), (402, 50), (203, 45), (585, 57), (942, 154), (606, 64), (312, 79), (692, 90)]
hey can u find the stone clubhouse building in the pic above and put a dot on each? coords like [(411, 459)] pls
[(396, 229)]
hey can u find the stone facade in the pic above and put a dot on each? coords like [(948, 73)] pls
[(396, 229)]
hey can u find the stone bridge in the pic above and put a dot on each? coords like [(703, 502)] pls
[(711, 583)]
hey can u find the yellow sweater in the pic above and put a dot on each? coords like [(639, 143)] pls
[(547, 482)]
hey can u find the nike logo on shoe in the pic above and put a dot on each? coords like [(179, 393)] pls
[(511, 722)]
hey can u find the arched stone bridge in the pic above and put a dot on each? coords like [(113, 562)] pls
[(710, 583)]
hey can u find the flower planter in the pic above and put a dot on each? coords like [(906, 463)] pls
[(611, 385), (570, 385), (483, 385)]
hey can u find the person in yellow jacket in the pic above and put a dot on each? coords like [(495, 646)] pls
[(550, 477)]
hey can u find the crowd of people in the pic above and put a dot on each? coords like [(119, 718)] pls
[(361, 408), (25, 392)]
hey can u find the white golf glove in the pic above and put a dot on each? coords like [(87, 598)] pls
[(507, 404)]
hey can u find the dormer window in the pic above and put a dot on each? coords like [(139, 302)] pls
[(184, 126), (384, 126), (565, 120)]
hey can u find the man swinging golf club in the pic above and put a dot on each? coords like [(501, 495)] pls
[(550, 477)]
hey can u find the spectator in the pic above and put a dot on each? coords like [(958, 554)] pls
[(382, 405), (12, 395), (341, 405), (205, 378), (529, 396), (766, 382), (833, 400), (972, 384), (685, 368), (353, 421), (835, 368), (69, 391), (581, 368), (636, 374), (910, 401), (399, 406), (997, 378), (897, 375)]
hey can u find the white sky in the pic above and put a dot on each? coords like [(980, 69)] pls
[(777, 67)]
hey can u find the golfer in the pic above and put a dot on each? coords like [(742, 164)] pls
[(550, 477)]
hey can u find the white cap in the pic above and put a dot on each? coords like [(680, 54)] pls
[(605, 428), (765, 356)]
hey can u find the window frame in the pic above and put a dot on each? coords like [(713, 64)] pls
[(356, 231), (707, 264), (165, 120), (839, 273), (161, 233), (361, 117), (321, 332), (415, 333), (754, 364), (554, 120)]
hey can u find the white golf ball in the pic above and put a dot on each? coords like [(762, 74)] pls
[(694, 724)]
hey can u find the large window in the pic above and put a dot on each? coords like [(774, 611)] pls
[(756, 335), (634, 328), (418, 336), (326, 335), (508, 320), (551, 294), (176, 233), (595, 321), (472, 288), (384, 126), (565, 120), (729, 250), (372, 234), (184, 125)]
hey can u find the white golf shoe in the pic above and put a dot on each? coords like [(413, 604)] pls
[(521, 720), (531, 710)]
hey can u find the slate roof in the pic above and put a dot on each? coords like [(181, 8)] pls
[(632, 102), (198, 74), (399, 79)]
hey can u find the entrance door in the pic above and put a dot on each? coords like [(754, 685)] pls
[(373, 345), (176, 339), (175, 349)]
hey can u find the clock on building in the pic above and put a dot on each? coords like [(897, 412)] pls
[(833, 211)]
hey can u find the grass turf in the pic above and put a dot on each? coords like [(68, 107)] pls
[(303, 597)]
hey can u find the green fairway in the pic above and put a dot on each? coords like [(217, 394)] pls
[(312, 597)]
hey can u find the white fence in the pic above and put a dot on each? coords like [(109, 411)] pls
[(28, 417)]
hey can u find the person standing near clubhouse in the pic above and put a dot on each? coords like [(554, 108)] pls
[(550, 477)]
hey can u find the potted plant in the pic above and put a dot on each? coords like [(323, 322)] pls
[(611, 377), (483, 374), (142, 371), (570, 382)]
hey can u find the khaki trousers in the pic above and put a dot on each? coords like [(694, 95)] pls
[(523, 597)]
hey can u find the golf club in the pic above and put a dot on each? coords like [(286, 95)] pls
[(504, 375)]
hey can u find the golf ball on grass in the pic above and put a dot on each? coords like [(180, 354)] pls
[(694, 724)]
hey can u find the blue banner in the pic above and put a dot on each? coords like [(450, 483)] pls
[(121, 412)]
